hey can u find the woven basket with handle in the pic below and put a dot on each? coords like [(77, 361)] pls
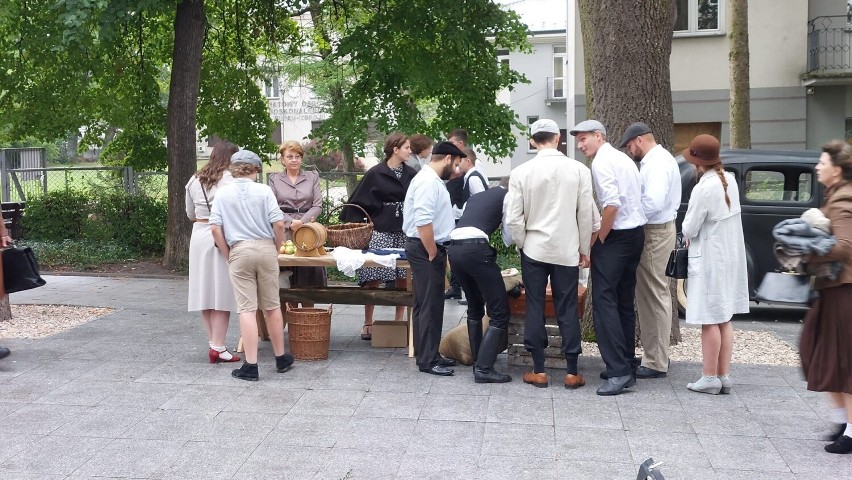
[(350, 235)]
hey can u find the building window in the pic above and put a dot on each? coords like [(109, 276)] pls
[(503, 56), (698, 17), (271, 88), (530, 121), (557, 86)]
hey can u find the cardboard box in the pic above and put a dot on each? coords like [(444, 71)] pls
[(388, 333)]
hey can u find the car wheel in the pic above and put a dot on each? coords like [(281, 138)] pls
[(681, 297)]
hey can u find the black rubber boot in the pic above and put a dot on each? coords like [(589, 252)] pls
[(474, 333), (484, 371), (247, 372)]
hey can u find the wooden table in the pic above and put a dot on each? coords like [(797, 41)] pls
[(349, 295)]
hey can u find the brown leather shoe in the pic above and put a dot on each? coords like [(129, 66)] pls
[(574, 381), (539, 380)]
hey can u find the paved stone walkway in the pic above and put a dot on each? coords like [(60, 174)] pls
[(130, 395)]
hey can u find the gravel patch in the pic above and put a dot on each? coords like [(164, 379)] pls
[(39, 321), (750, 347)]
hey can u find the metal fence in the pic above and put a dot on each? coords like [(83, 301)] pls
[(22, 184), (830, 45)]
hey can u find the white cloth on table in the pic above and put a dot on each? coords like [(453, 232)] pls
[(348, 260)]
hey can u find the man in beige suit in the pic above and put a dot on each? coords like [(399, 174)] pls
[(550, 216)]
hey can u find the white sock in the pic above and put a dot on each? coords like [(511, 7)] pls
[(848, 431), (837, 415), (224, 354), (210, 342)]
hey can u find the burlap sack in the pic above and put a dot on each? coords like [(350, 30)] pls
[(456, 343)]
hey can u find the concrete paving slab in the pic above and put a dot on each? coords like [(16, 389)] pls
[(132, 395)]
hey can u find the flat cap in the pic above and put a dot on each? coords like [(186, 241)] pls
[(544, 125), (633, 131), (588, 126), (246, 156)]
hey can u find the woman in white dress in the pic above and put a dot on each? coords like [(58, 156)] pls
[(718, 282), (210, 289)]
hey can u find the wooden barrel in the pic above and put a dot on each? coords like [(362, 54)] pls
[(310, 237)]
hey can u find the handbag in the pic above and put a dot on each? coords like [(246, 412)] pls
[(678, 260), (20, 269), (786, 288)]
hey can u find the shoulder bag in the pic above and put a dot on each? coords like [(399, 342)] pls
[(678, 260), (20, 269)]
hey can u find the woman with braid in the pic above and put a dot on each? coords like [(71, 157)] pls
[(718, 282)]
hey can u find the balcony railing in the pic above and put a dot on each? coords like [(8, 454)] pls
[(556, 89), (829, 41)]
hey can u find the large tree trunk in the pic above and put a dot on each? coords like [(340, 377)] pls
[(738, 58), (5, 308), (627, 47), (183, 102)]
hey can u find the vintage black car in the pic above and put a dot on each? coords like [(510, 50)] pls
[(774, 185)]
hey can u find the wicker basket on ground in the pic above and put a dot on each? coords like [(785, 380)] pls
[(309, 330), (350, 235)]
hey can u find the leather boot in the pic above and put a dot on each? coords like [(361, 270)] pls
[(474, 333), (484, 371)]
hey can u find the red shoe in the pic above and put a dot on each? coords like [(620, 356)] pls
[(216, 357)]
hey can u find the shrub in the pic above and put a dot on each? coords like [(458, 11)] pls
[(135, 221), (56, 215)]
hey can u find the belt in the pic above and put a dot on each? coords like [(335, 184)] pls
[(201, 220), (415, 239), (294, 210), (468, 241), (659, 225)]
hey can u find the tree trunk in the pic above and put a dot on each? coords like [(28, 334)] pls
[(738, 57), (627, 47), (5, 309), (190, 22)]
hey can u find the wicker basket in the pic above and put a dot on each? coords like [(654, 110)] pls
[(309, 329), (350, 235)]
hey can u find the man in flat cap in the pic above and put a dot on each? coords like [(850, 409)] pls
[(550, 216), (661, 190), (427, 220), (248, 228), (615, 253)]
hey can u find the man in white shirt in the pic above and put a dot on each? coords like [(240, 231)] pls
[(661, 191), (615, 253), (550, 215), (427, 221), (458, 137)]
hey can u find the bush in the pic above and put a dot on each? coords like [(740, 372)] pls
[(56, 215), (134, 222)]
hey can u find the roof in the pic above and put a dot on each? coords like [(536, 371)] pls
[(766, 156)]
